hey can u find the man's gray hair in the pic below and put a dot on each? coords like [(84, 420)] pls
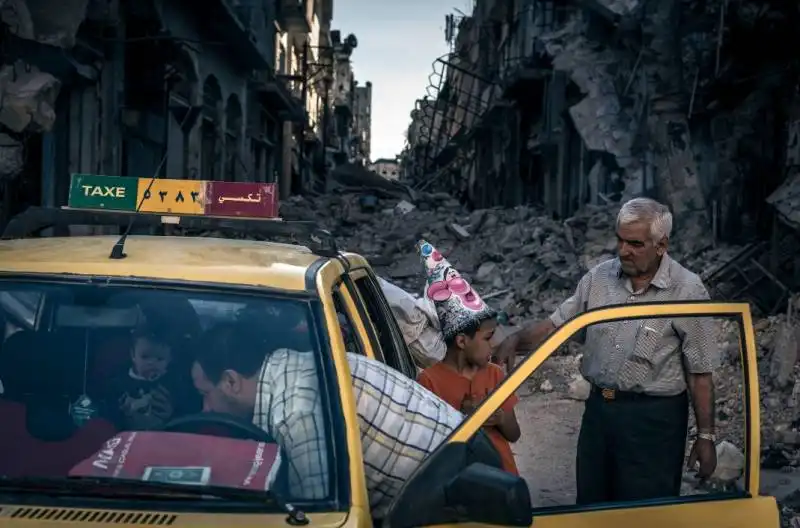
[(654, 214)]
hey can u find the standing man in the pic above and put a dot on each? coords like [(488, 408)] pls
[(633, 433)]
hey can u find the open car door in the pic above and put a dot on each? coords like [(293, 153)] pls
[(450, 489)]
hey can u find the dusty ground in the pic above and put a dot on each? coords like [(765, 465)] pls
[(546, 452)]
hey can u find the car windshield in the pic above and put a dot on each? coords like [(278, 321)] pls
[(184, 387)]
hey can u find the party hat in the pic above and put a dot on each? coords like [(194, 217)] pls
[(457, 304)]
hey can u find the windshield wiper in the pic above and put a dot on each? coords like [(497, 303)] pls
[(146, 488)]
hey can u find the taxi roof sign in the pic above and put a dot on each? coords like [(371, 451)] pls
[(173, 196)]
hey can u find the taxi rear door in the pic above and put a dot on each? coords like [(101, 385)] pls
[(384, 333), (737, 506)]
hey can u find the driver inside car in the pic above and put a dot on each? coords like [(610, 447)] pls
[(400, 422)]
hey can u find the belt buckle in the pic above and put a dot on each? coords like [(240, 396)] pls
[(608, 394)]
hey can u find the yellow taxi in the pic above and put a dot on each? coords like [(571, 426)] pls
[(74, 379)]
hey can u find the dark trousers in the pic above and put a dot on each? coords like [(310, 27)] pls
[(631, 448)]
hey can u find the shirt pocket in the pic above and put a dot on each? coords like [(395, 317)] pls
[(643, 360), (601, 334)]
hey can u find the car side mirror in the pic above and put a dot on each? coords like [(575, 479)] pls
[(485, 494), (461, 482)]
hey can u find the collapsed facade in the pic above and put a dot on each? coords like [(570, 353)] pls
[(239, 91), (362, 123), (565, 104), (568, 103)]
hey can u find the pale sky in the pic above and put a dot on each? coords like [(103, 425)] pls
[(398, 40)]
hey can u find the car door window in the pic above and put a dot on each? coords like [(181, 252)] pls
[(19, 310), (346, 324), (390, 339), (624, 451)]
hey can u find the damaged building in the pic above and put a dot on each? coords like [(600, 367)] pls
[(237, 91), (568, 103), (362, 123), (564, 104)]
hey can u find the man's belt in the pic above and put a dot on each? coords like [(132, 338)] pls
[(618, 395)]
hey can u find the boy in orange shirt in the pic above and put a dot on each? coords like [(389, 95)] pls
[(465, 376)]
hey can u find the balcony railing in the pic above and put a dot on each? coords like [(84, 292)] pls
[(281, 93)]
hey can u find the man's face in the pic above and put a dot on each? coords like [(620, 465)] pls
[(478, 349), (638, 254), (234, 394)]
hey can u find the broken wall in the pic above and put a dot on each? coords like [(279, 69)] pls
[(671, 100)]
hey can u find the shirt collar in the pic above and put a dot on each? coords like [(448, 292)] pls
[(661, 280)]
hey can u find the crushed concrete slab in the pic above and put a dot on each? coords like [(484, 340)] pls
[(29, 98)]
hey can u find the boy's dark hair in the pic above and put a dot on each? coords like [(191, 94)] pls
[(231, 346), (469, 331)]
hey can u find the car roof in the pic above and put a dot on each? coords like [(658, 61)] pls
[(194, 259)]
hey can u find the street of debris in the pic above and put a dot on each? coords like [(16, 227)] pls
[(525, 263)]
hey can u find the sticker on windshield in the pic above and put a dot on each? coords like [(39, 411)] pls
[(197, 476)]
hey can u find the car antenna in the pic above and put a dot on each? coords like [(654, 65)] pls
[(118, 251)]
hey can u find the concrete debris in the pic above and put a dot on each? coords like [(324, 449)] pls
[(621, 7), (404, 207), (730, 462), (54, 23), (525, 263), (12, 158), (520, 258), (784, 351), (602, 122), (614, 112), (786, 200), (579, 388), (780, 414), (28, 96)]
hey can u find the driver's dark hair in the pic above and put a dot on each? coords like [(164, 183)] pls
[(231, 346)]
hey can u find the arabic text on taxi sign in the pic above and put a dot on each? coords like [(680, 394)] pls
[(172, 196)]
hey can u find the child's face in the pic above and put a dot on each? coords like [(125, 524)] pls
[(150, 359), (478, 349)]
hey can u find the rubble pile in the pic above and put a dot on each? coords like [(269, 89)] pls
[(524, 262), (521, 261)]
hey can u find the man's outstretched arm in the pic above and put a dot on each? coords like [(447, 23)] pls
[(526, 340), (533, 334)]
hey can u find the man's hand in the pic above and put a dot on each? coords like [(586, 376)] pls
[(151, 411), (161, 404), (528, 338), (705, 452), (468, 405), (496, 419), (507, 349)]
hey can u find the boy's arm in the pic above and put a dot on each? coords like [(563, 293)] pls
[(508, 426), (505, 419)]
